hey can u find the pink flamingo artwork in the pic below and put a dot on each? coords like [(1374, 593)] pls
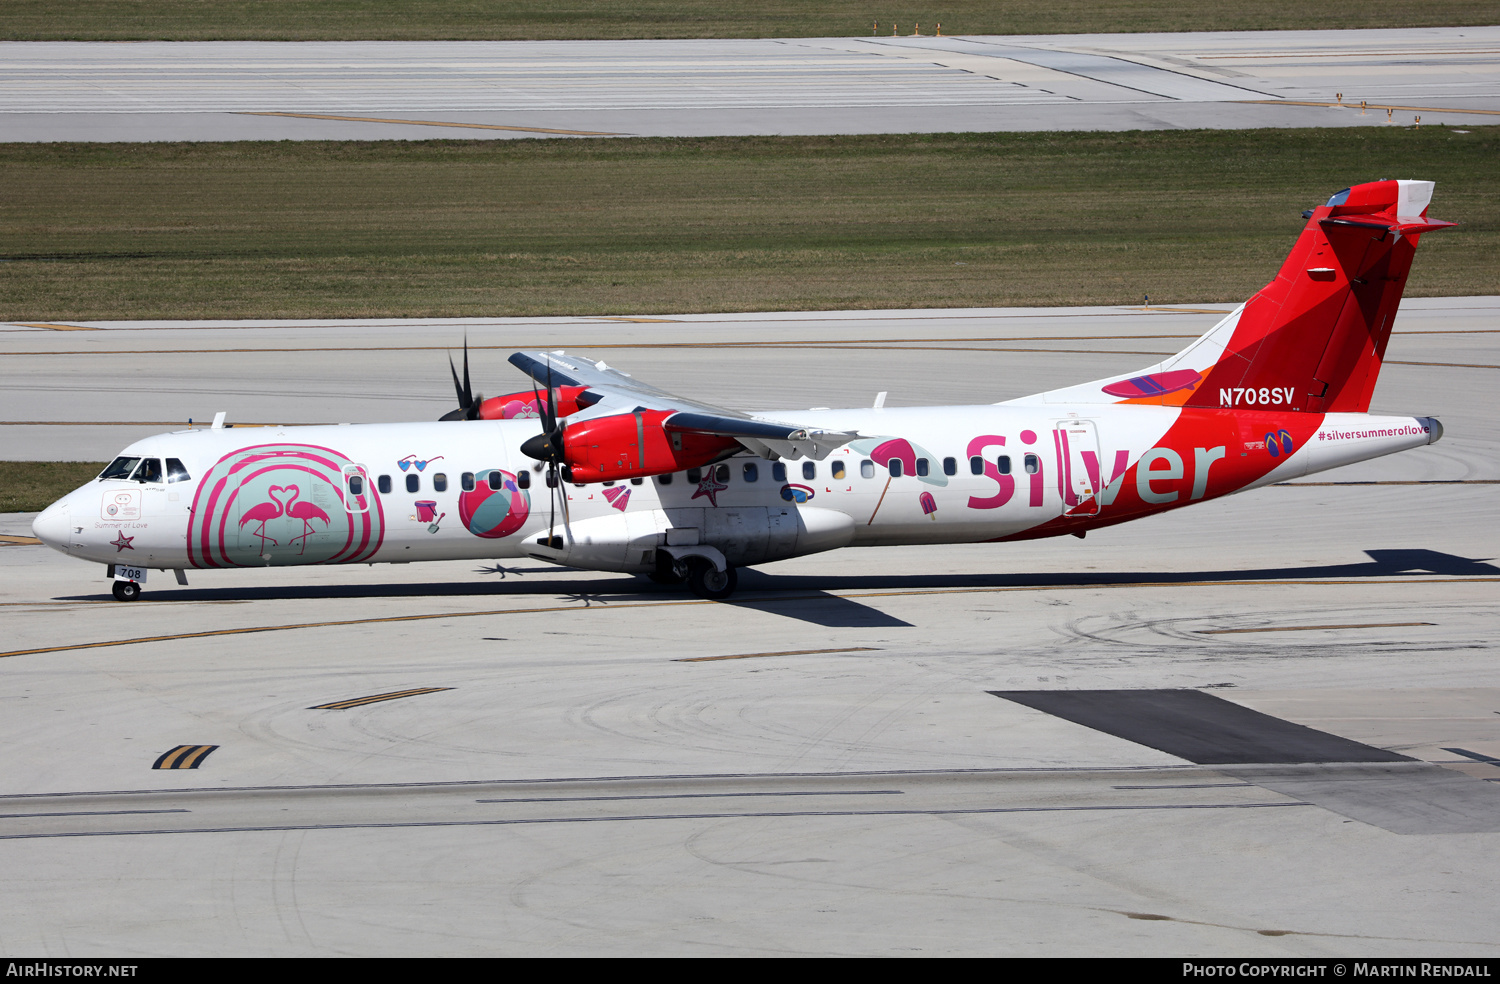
[(264, 512), (299, 508)]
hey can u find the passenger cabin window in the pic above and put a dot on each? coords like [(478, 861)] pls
[(494, 481), (695, 475), (751, 472), (439, 482), (665, 479), (523, 479), (976, 465), (922, 467), (895, 467), (838, 471), (413, 483), (121, 467), (1033, 464), (778, 471), (634, 481), (1003, 463), (356, 485), (383, 483), (867, 469), (149, 470), (176, 472), (466, 481), (809, 470), (721, 472)]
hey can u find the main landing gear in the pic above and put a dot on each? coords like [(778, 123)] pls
[(702, 577), (706, 581), (127, 591)]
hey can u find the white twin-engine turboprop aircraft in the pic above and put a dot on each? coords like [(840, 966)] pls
[(623, 477)]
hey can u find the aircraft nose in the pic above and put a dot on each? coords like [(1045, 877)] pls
[(53, 524)]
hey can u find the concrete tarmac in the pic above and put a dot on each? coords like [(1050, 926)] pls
[(482, 759), (500, 90)]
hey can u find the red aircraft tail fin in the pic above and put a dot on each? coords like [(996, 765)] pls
[(1313, 338)]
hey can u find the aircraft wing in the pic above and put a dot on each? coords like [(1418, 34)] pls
[(610, 391)]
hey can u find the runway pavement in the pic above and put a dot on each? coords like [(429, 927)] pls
[(422, 90), (852, 757)]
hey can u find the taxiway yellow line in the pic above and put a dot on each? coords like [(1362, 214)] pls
[(900, 345), (200, 425), (785, 652), (1355, 54), (25, 541), (1405, 109), (341, 705), (1401, 481), (1312, 628), (54, 327), (461, 126), (746, 602)]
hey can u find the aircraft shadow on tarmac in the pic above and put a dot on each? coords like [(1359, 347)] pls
[(808, 598)]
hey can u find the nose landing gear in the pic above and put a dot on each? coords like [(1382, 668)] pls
[(127, 591)]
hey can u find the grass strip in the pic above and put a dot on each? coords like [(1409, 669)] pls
[(31, 486), (657, 226), (402, 20)]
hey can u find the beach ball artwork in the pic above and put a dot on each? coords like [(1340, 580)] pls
[(493, 513)]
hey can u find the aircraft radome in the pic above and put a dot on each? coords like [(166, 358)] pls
[(591, 469)]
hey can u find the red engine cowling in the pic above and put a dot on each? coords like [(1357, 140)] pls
[(636, 445), (525, 404)]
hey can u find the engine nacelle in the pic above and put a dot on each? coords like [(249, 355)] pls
[(528, 403), (636, 445)]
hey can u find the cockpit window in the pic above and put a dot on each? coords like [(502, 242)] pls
[(175, 471), (121, 467), (149, 470)]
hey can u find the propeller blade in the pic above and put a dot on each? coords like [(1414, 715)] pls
[(457, 389), (468, 398), (549, 416)]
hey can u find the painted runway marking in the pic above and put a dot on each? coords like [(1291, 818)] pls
[(184, 757), (788, 652), (819, 596), (54, 327), (339, 705), (1312, 628), (20, 541), (462, 126)]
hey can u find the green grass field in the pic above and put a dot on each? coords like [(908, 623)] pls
[(600, 226), (330, 20), (31, 486)]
